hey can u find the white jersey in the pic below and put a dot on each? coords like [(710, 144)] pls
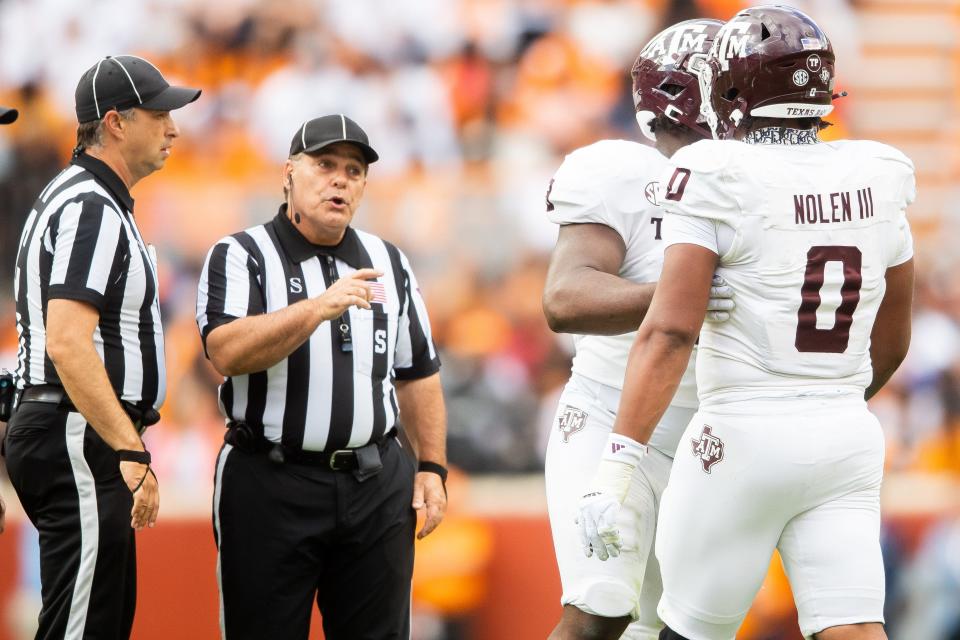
[(805, 234)]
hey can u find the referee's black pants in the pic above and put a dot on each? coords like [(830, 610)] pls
[(288, 533), (69, 483)]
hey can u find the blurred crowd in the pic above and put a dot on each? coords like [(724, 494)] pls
[(472, 105)]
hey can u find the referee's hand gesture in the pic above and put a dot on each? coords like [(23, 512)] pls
[(142, 482), (352, 290)]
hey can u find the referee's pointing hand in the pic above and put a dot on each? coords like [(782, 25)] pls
[(352, 290)]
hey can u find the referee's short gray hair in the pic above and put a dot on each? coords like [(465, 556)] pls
[(90, 134)]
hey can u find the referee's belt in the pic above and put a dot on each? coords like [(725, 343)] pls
[(336, 460), (57, 395)]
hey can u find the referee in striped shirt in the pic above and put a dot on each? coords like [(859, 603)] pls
[(91, 371), (324, 340)]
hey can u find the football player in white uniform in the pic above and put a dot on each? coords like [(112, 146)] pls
[(782, 453), (602, 275)]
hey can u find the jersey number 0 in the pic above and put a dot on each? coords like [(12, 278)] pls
[(835, 340)]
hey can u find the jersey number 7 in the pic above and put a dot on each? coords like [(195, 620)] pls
[(835, 340)]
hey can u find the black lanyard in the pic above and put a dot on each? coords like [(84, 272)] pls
[(346, 341)]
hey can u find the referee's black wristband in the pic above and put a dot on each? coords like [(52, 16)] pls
[(434, 467), (128, 455)]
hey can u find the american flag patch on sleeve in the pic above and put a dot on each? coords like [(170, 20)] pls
[(378, 292)]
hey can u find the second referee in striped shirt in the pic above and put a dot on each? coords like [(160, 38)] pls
[(323, 338)]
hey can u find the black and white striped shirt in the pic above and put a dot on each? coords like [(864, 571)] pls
[(323, 396), (81, 242)]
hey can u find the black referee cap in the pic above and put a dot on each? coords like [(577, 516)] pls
[(123, 82), (8, 115), (320, 132)]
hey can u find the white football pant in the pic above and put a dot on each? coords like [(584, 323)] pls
[(800, 476)]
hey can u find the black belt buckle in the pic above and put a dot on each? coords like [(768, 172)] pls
[(343, 459)]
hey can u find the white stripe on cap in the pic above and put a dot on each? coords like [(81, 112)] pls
[(132, 83), (303, 136), (343, 125), (94, 83)]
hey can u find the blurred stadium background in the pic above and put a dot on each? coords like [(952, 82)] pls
[(472, 105)]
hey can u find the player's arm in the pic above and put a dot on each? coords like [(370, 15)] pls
[(658, 358), (697, 199), (661, 350), (583, 292), (890, 337)]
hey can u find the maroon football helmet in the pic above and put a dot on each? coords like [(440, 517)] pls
[(665, 75), (769, 61)]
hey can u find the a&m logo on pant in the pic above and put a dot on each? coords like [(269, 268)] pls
[(709, 448), (571, 421)]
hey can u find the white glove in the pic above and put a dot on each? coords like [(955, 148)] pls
[(599, 509), (721, 300)]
